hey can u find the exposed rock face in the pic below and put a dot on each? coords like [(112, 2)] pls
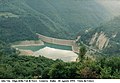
[(99, 40), (93, 40), (8, 15), (114, 35)]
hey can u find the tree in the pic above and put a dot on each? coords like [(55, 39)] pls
[(45, 74), (105, 73), (82, 52), (58, 71), (37, 72)]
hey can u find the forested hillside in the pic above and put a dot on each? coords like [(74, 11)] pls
[(21, 19)]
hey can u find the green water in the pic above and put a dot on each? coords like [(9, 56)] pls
[(36, 48)]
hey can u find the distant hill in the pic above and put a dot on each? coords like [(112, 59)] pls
[(21, 19)]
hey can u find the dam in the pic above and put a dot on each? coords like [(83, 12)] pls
[(72, 43)]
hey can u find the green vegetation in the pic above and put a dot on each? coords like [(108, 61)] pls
[(104, 68), (82, 52), (14, 66), (14, 29), (26, 67), (48, 18)]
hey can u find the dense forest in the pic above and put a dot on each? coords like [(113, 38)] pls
[(48, 18), (13, 66)]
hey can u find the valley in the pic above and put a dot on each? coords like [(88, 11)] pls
[(60, 48), (59, 39), (21, 20)]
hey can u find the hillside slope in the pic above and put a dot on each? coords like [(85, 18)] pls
[(21, 19), (105, 38)]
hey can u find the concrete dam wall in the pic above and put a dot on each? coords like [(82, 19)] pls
[(72, 43)]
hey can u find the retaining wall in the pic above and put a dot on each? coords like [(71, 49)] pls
[(72, 43)]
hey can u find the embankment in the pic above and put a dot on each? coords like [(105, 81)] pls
[(72, 43)]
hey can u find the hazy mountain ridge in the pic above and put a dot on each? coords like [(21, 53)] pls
[(72, 18)]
